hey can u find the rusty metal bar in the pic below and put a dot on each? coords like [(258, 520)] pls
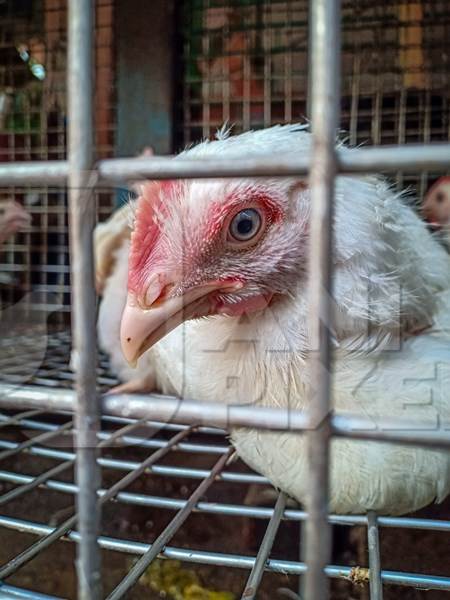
[(82, 216), (324, 84)]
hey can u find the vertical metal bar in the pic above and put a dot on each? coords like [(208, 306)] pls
[(355, 91), (81, 223), (226, 86), (288, 75), (267, 19), (426, 138), (376, 114), (207, 83), (303, 544), (324, 93), (375, 583), (246, 87), (188, 51), (401, 131)]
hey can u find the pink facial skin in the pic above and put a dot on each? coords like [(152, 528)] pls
[(436, 204)]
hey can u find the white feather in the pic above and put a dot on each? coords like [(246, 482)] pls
[(391, 279)]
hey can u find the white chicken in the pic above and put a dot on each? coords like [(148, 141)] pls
[(235, 253), (436, 209), (13, 218)]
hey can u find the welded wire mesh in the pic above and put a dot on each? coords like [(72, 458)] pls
[(242, 62), (163, 465), (33, 126), (172, 480), (246, 63)]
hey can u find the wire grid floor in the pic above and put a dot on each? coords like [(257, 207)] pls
[(37, 458)]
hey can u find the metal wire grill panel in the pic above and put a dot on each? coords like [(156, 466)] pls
[(246, 62), (155, 439), (150, 470), (33, 126)]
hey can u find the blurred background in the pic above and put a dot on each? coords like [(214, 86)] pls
[(169, 73)]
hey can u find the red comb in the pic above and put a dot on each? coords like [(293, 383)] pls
[(151, 208)]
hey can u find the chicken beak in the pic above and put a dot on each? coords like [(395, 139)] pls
[(141, 327)]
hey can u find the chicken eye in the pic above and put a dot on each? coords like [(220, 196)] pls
[(245, 225)]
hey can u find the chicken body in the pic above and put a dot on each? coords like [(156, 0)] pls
[(436, 209), (390, 329), (13, 218)]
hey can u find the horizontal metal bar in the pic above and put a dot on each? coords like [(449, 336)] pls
[(29, 553), (34, 173), (398, 431), (56, 470), (14, 419), (215, 508), (218, 508), (229, 560), (109, 438), (408, 158), (165, 426), (165, 408), (127, 465), (39, 439), (34, 482), (116, 171), (157, 443), (9, 592)]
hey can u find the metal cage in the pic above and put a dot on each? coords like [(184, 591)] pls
[(83, 429)]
